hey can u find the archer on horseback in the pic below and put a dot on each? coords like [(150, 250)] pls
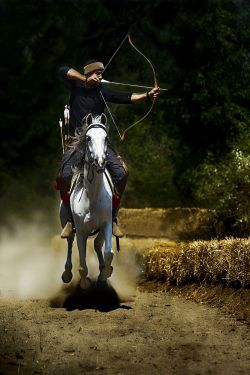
[(89, 95)]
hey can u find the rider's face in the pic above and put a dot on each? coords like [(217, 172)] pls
[(98, 73)]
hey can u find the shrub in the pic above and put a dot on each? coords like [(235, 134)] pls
[(225, 186)]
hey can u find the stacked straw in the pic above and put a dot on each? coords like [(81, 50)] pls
[(226, 261)]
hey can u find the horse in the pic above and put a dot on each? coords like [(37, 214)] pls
[(91, 202)]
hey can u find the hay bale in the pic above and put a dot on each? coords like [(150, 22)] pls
[(226, 261), (173, 223)]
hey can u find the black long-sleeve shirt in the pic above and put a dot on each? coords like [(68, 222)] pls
[(84, 100)]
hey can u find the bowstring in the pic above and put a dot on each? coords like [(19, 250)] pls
[(112, 118), (122, 137), (127, 35)]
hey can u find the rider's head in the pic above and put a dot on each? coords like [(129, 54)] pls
[(93, 66)]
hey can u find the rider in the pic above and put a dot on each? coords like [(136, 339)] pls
[(88, 95)]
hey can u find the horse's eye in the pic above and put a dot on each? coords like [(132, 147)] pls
[(88, 138)]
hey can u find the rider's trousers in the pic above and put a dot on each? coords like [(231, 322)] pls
[(115, 166)]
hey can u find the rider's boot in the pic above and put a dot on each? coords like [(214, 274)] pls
[(67, 230), (116, 230)]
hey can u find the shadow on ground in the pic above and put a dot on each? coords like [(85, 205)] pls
[(96, 297)]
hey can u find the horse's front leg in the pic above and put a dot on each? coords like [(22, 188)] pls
[(83, 270), (102, 278), (67, 274), (108, 252), (98, 243)]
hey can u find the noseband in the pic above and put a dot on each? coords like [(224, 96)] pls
[(96, 126)]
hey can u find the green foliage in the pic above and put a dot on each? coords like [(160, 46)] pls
[(200, 50), (225, 185), (148, 153)]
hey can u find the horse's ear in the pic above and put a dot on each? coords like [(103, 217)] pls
[(89, 119), (104, 119)]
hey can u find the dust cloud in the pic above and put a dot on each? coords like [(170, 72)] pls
[(32, 260), (29, 266)]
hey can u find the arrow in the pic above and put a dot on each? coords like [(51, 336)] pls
[(128, 84)]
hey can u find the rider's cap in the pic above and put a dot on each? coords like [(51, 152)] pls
[(92, 65)]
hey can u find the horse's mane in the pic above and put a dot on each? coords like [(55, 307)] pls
[(80, 133)]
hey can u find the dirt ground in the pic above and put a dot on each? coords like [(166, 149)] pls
[(153, 334), (122, 329)]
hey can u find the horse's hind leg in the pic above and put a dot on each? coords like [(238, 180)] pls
[(67, 274), (83, 270)]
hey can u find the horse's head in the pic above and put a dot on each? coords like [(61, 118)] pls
[(96, 141)]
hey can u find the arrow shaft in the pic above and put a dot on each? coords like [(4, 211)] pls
[(128, 84)]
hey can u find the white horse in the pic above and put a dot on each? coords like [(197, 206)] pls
[(91, 202)]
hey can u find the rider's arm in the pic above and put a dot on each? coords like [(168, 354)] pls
[(152, 94), (135, 97), (70, 73), (128, 98)]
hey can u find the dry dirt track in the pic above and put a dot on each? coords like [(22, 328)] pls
[(151, 333), (154, 334)]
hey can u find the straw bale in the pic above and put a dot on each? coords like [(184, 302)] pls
[(174, 223), (226, 261)]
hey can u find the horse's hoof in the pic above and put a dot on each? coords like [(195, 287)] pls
[(101, 284), (108, 270), (85, 283), (108, 258), (67, 276)]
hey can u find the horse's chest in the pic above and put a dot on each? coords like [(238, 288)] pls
[(99, 211), (94, 220), (92, 214)]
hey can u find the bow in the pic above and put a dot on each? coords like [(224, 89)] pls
[(155, 84)]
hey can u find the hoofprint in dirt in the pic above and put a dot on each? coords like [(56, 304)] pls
[(155, 333)]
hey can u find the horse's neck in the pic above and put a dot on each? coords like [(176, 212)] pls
[(92, 181)]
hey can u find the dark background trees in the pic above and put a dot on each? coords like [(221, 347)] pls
[(193, 149)]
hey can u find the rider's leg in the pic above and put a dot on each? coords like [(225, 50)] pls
[(119, 175), (68, 227), (63, 183)]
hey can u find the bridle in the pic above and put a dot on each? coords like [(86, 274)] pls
[(90, 161)]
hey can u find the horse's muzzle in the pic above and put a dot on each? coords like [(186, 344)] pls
[(100, 167)]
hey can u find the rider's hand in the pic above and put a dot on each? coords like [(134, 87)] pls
[(93, 80), (154, 92)]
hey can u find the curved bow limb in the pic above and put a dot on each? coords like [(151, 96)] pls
[(145, 57), (123, 137)]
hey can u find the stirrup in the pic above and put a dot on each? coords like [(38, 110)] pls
[(116, 230), (67, 230)]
